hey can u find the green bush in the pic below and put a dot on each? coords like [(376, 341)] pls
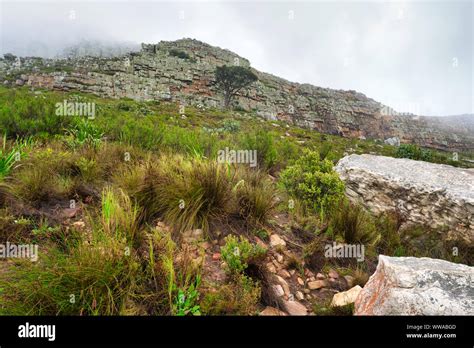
[(314, 182), (179, 54), (238, 253), (414, 152)]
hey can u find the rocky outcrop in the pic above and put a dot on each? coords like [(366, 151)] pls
[(417, 286), (434, 195), (183, 72)]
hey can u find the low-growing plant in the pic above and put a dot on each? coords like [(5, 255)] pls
[(186, 194), (262, 142), (238, 253), (186, 302), (86, 132), (354, 224), (240, 296), (256, 197)]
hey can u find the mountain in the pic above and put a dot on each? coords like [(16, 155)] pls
[(182, 71)]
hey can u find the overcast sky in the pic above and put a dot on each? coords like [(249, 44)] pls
[(416, 56)]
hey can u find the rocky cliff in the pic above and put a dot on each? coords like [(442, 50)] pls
[(183, 71)]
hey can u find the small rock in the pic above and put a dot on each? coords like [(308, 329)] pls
[(306, 291), (320, 276), (295, 308), (216, 256), (308, 273), (317, 284), (300, 281), (284, 273), (276, 240), (278, 290), (346, 297), (299, 295), (284, 284), (271, 267), (292, 271), (279, 258), (69, 213), (272, 311)]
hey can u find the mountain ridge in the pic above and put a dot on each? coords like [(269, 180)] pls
[(155, 73)]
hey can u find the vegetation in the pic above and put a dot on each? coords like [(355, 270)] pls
[(313, 182), (414, 152), (111, 203), (237, 254), (232, 79)]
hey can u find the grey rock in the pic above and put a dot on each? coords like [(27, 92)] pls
[(417, 286), (425, 193)]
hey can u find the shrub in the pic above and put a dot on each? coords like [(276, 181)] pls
[(239, 297), (179, 54), (238, 253), (314, 182), (186, 301), (414, 152), (231, 126)]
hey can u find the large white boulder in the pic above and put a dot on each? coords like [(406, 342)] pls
[(424, 193), (417, 286)]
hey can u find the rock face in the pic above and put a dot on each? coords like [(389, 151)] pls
[(423, 193), (182, 71), (417, 286)]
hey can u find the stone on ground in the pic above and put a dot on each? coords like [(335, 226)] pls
[(417, 286), (346, 297)]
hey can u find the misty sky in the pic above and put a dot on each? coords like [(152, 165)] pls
[(414, 56)]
